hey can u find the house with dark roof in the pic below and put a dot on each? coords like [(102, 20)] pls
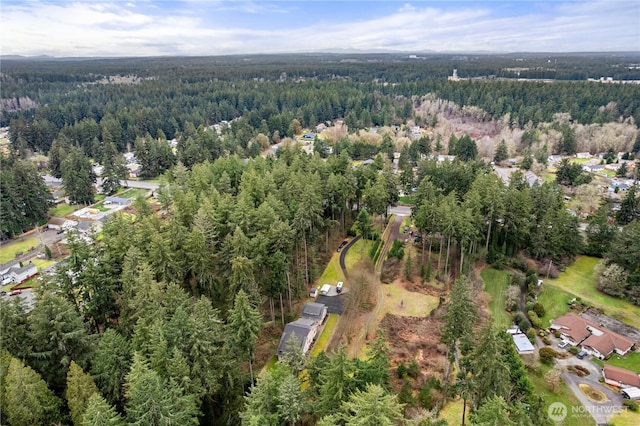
[(620, 377), (593, 338), (315, 312), (305, 331)]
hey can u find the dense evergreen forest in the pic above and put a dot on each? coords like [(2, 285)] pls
[(157, 320), (90, 101)]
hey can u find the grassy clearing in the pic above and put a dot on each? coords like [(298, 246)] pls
[(496, 284), (452, 412), (42, 263), (132, 193), (580, 279), (357, 253), (549, 177), (555, 302), (563, 394), (332, 273), (398, 301), (325, 336), (630, 362), (407, 199), (625, 418), (8, 252), (63, 209)]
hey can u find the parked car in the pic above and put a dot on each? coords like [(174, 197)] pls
[(313, 292), (563, 344), (15, 292), (581, 354), (339, 287), (325, 289)]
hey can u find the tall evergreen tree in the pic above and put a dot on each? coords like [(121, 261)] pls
[(80, 388), (100, 413), (152, 401), (28, 400), (244, 326), (114, 170), (78, 177)]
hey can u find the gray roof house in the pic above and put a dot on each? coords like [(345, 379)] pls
[(315, 311), (20, 275), (304, 329), (6, 267)]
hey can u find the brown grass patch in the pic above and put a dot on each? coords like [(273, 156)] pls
[(593, 394)]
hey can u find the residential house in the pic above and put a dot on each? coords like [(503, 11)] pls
[(620, 186), (17, 274), (442, 158), (304, 329), (595, 339), (593, 168), (6, 267), (583, 155), (315, 311), (523, 345), (620, 377), (554, 159), (130, 158), (368, 162)]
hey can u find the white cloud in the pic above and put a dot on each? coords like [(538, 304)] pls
[(129, 29)]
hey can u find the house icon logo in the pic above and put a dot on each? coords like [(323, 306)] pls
[(557, 411)]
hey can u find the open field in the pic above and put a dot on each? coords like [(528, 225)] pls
[(563, 394), (496, 284), (63, 209), (332, 273), (8, 252), (132, 193), (357, 253), (580, 279), (555, 302), (325, 336), (397, 300)]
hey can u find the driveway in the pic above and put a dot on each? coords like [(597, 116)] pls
[(601, 412), (333, 301)]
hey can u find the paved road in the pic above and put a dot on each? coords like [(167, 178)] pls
[(343, 254), (601, 412), (400, 210), (393, 235)]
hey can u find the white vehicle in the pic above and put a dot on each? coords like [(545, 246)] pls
[(313, 292), (325, 289), (339, 287), (563, 344)]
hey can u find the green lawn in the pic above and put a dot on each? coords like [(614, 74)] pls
[(132, 193), (63, 209), (332, 273), (325, 336), (452, 412), (549, 177), (563, 394), (630, 362), (407, 199), (358, 252), (496, 283), (555, 302), (580, 279), (625, 418), (8, 252)]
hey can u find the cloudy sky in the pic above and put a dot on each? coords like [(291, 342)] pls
[(209, 27)]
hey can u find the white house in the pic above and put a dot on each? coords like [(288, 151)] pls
[(20, 275), (583, 155)]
